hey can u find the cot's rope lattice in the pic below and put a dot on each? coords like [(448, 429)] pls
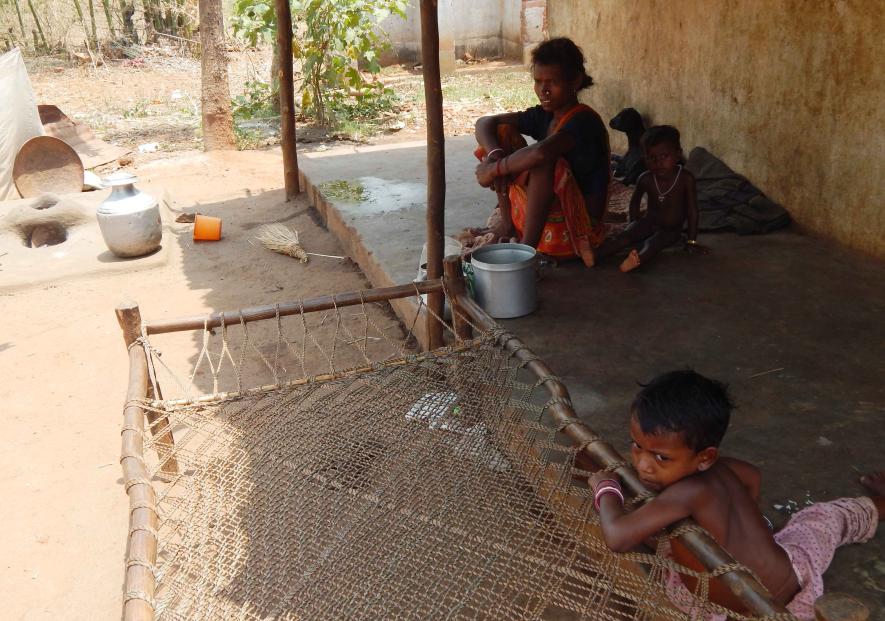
[(371, 481)]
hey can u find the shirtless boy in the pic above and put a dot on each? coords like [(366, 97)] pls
[(677, 422), (672, 199)]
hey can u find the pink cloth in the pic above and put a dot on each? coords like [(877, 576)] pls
[(810, 539)]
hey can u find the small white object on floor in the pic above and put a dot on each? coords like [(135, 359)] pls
[(148, 147), (439, 411), (91, 181)]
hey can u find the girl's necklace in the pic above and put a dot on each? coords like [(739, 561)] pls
[(662, 195)]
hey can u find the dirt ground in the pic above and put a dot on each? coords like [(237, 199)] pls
[(156, 99), (62, 358), (64, 373)]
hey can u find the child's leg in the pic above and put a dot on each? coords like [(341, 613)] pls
[(659, 241), (633, 234), (812, 536)]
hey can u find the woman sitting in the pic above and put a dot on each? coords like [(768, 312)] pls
[(551, 195)]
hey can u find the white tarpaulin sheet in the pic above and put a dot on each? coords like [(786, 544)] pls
[(19, 118)]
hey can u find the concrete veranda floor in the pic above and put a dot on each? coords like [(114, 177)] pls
[(794, 325)]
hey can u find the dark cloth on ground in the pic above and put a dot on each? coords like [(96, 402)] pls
[(589, 160), (727, 200)]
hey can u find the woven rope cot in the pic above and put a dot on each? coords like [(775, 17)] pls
[(385, 483)]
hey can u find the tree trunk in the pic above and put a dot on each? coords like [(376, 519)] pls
[(107, 16), (275, 77), (218, 123), (92, 23), (21, 23), (39, 27)]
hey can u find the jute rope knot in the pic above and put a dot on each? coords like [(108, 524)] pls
[(130, 595), (557, 401), (566, 422)]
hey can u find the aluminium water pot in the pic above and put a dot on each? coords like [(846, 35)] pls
[(129, 219)]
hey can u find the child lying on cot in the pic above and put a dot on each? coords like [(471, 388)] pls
[(672, 200), (677, 422)]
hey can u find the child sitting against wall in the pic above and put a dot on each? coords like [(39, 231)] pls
[(672, 200), (677, 422)]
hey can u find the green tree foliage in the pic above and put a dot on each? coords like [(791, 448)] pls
[(337, 44)]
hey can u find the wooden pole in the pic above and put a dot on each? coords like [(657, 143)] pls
[(141, 548), (456, 288), (326, 302), (287, 99), (21, 23), (37, 22), (129, 318), (755, 596), (436, 164)]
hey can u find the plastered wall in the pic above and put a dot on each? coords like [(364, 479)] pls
[(478, 27), (789, 93)]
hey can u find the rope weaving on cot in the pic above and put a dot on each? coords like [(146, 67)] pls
[(419, 486)]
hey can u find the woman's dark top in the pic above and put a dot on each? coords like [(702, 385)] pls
[(589, 159)]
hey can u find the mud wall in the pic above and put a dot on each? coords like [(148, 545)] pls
[(787, 92)]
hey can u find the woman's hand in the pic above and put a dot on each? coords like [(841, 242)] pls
[(485, 173)]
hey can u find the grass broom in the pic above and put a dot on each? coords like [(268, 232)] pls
[(280, 238)]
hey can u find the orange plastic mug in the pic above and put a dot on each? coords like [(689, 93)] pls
[(207, 228)]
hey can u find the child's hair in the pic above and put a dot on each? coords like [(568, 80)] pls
[(660, 134), (687, 403), (562, 51)]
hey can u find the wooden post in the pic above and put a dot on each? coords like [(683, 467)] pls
[(456, 287), (129, 318), (436, 163), (287, 99)]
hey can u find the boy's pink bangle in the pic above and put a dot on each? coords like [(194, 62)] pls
[(607, 489), (613, 482)]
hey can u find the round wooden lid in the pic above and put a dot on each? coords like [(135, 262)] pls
[(46, 164)]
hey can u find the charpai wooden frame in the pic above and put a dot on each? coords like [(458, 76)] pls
[(141, 553)]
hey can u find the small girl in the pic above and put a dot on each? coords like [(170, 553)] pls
[(553, 194)]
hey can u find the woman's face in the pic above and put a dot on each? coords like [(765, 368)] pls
[(553, 88)]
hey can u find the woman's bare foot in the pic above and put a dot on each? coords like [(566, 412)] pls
[(631, 262), (586, 252), (875, 483)]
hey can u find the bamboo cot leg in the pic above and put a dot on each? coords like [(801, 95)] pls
[(141, 553), (457, 289), (129, 318)]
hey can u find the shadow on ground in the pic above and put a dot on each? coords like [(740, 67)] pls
[(793, 325)]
